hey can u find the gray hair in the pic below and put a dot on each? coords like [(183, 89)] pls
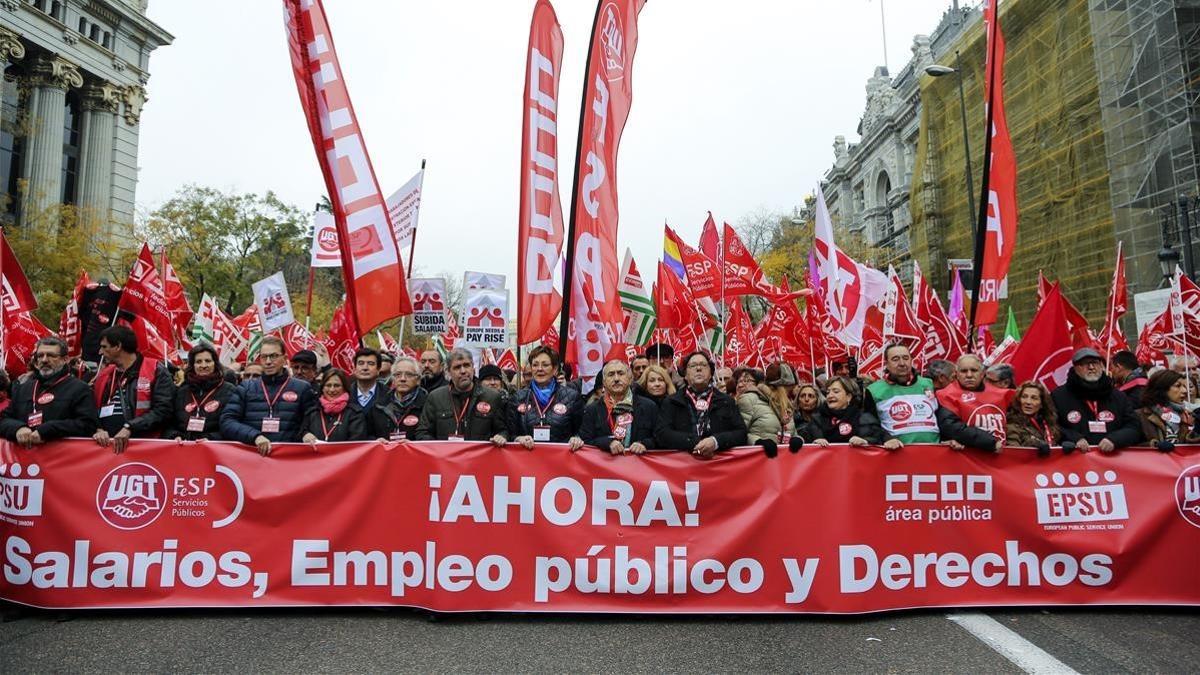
[(55, 341), (407, 359), (939, 368), (459, 354), (1002, 371)]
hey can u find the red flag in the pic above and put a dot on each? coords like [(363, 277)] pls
[(345, 338), (508, 361), (1045, 352), (387, 343), (143, 294), (153, 344), (540, 222), (1001, 226), (899, 322), (177, 302), (550, 338), (701, 270), (1003, 352), (596, 312), (743, 276), (942, 340), (22, 330), (739, 335), (710, 241), (870, 353), (672, 301), (782, 333), (70, 327), (371, 266), (1077, 325), (297, 338), (16, 296), (453, 332)]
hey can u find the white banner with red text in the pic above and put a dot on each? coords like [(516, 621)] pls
[(468, 527)]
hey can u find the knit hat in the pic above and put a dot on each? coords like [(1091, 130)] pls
[(780, 374), (491, 370)]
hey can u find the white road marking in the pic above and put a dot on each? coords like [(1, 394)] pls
[(1026, 655)]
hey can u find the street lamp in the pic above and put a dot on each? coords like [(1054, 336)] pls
[(937, 70), (1168, 258)]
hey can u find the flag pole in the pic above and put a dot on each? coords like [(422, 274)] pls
[(569, 259), (412, 248), (981, 217)]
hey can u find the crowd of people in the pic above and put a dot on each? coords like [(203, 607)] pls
[(653, 402)]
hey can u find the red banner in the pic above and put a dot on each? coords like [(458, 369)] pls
[(1001, 229), (371, 265), (540, 234), (466, 527), (144, 295), (597, 322)]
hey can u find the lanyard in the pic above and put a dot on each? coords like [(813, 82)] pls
[(326, 430), (707, 400), (114, 385), (540, 410), (1095, 408), (278, 393), (197, 406), (49, 386), (1044, 429), (458, 417)]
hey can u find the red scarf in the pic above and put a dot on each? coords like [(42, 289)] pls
[(335, 405), (104, 380)]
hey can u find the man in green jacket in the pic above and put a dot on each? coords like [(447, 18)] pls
[(904, 402)]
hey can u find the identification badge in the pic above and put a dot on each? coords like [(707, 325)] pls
[(35, 418), (625, 419), (618, 433), (195, 424), (270, 425), (108, 410), (541, 433), (460, 439), (398, 436), (1097, 427)]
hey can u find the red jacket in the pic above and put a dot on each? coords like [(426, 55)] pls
[(985, 408)]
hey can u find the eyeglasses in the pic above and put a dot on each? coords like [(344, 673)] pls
[(269, 357)]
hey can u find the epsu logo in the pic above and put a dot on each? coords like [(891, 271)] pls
[(1075, 499), (20, 497)]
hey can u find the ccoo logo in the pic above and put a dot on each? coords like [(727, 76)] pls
[(131, 496)]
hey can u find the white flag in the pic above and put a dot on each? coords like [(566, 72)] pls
[(325, 241), (404, 206), (274, 306), (850, 286), (485, 318)]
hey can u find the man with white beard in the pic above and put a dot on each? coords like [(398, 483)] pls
[(1091, 411)]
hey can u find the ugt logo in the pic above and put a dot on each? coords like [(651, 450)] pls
[(1187, 494), (131, 496)]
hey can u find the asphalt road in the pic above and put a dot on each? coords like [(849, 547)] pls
[(1150, 640)]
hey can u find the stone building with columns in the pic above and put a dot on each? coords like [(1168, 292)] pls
[(74, 84), (867, 189)]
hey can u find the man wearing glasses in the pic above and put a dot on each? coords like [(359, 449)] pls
[(52, 403), (268, 409), (403, 409), (135, 394)]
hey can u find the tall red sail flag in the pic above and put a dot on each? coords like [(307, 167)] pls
[(1045, 353), (1111, 338), (15, 293), (371, 266), (540, 223), (596, 317), (1000, 238)]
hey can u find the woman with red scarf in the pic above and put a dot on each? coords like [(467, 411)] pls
[(1032, 421), (334, 420)]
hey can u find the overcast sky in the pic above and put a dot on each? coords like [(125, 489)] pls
[(735, 107)]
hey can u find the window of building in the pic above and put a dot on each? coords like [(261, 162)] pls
[(70, 163), (94, 35), (82, 26), (11, 144), (39, 5), (57, 10), (107, 40)]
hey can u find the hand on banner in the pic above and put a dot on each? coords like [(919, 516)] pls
[(310, 439), (575, 443), (263, 444), (1106, 445), (499, 442), (524, 441), (28, 437), (999, 447), (893, 444), (821, 443), (617, 448), (706, 448), (121, 440), (858, 441), (954, 445), (637, 449)]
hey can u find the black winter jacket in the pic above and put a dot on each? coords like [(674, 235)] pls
[(401, 418), (953, 428), (347, 426), (157, 418), (374, 419), (838, 426), (677, 418), (1113, 409), (70, 412), (482, 416), (562, 413), (187, 405), (596, 430), (242, 416)]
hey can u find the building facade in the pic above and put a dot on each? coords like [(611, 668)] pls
[(868, 188), (74, 85)]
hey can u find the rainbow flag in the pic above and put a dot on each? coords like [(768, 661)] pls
[(672, 256)]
